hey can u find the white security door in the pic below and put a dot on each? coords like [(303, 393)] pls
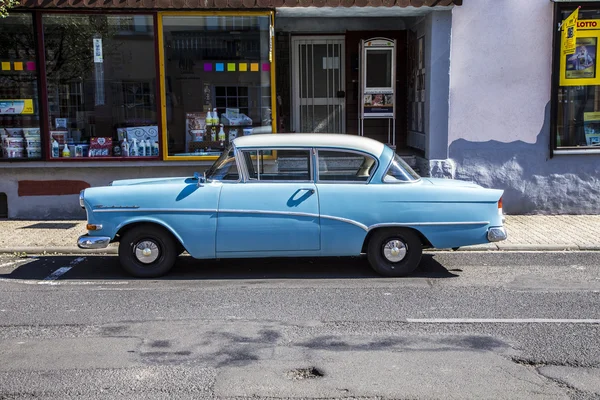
[(318, 84)]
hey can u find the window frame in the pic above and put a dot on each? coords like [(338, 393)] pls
[(242, 160), (359, 152), (162, 73), (45, 117), (554, 150)]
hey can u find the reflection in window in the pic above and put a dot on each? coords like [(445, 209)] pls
[(343, 166), (217, 81), (101, 85), (400, 171), (19, 111), (278, 165)]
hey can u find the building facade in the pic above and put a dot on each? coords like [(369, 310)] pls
[(97, 91)]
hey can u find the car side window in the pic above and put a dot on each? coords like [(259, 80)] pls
[(278, 165), (345, 166), (225, 168)]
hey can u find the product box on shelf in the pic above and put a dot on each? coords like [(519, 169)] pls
[(59, 136), (100, 147), (139, 133)]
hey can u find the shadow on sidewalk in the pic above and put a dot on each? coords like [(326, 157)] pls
[(186, 268)]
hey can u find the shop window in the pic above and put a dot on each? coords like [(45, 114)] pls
[(102, 85), (19, 110), (577, 101), (217, 81)]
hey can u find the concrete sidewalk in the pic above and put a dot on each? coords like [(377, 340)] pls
[(525, 232)]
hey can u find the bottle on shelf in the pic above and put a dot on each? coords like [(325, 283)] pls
[(133, 149), (148, 148), (221, 134), (125, 148), (66, 152), (55, 149), (142, 148)]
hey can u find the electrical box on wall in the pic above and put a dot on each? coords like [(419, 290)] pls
[(378, 83)]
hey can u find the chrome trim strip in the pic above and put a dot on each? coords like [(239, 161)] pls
[(392, 224), (93, 242), (159, 210), (346, 220), (295, 214)]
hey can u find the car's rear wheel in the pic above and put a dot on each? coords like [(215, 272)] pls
[(147, 251), (394, 252)]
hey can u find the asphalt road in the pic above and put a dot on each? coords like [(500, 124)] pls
[(466, 325)]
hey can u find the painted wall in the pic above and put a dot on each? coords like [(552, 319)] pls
[(66, 206), (499, 116)]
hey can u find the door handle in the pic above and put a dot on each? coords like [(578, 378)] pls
[(311, 190)]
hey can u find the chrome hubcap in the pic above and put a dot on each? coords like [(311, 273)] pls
[(394, 250), (147, 251)]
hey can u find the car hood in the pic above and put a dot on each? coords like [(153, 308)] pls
[(152, 181), (450, 182)]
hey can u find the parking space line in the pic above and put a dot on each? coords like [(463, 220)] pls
[(502, 321), (63, 270)]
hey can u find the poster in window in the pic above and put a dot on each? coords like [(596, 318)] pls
[(591, 126), (581, 67), (582, 63)]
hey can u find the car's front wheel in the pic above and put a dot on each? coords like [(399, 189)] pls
[(394, 252), (147, 251)]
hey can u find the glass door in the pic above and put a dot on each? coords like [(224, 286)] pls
[(318, 86)]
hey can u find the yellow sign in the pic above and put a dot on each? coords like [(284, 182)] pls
[(569, 33), (581, 67), (16, 106)]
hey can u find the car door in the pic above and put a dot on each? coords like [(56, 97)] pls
[(347, 202), (275, 211)]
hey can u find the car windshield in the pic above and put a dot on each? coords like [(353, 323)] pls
[(224, 169), (400, 171)]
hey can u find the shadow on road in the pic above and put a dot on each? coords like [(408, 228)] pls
[(186, 268)]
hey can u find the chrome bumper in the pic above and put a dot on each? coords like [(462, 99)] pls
[(496, 234), (93, 242)]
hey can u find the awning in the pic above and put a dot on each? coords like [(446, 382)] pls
[(229, 4)]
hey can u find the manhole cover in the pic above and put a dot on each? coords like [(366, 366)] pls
[(304, 373)]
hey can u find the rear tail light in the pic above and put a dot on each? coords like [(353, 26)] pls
[(500, 206)]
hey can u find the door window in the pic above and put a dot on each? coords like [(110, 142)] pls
[(345, 166), (278, 165)]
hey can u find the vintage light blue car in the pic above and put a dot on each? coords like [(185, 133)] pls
[(292, 195)]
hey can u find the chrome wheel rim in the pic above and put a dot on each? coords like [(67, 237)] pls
[(147, 251), (394, 250)]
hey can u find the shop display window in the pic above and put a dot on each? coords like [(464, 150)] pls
[(577, 101), (102, 86), (217, 80), (19, 110)]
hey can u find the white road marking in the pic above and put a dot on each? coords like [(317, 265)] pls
[(63, 270), (74, 283), (502, 321)]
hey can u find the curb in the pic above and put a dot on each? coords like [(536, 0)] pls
[(59, 250), (113, 250)]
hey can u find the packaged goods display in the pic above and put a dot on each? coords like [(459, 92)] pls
[(139, 141), (20, 143)]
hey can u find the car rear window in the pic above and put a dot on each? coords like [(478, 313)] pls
[(400, 171)]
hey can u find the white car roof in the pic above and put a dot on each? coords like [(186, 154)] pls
[(350, 142)]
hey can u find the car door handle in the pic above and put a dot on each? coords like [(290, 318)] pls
[(311, 190)]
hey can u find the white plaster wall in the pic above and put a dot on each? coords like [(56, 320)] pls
[(500, 70)]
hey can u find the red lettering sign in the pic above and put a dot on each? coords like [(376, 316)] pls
[(587, 24)]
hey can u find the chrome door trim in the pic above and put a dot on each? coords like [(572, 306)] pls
[(393, 224), (346, 220), (268, 212), (159, 210)]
